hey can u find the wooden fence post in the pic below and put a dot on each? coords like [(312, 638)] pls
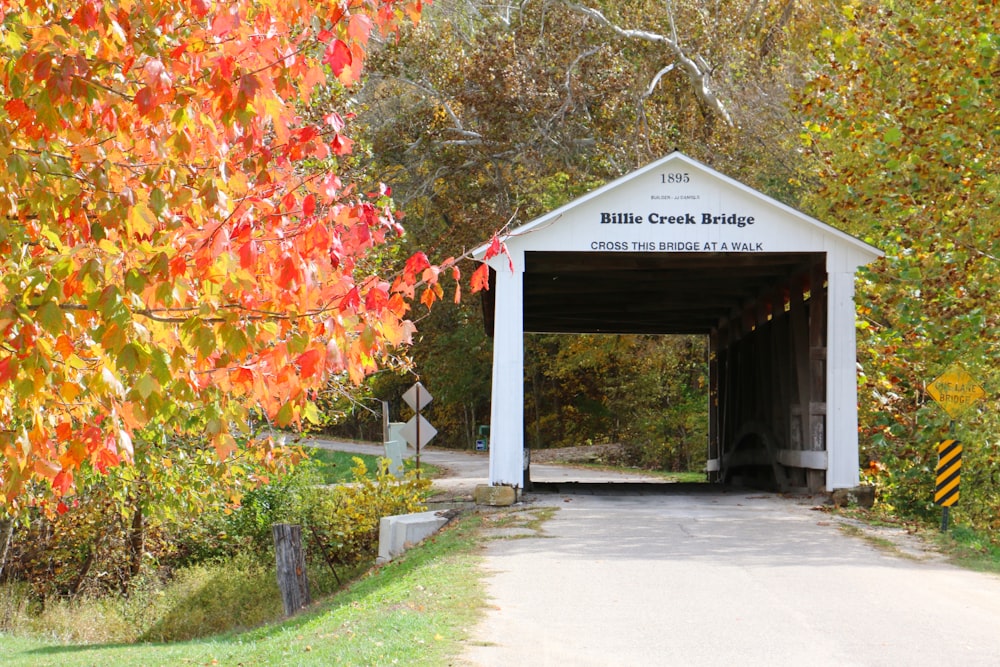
[(291, 566)]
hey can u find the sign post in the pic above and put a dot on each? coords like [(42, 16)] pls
[(418, 431), (956, 391), (949, 474)]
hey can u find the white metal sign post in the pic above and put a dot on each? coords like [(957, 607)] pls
[(418, 431)]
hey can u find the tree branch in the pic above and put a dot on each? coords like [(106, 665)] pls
[(694, 65)]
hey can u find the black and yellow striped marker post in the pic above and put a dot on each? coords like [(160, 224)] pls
[(949, 469)]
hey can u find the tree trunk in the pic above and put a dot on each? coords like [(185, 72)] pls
[(85, 568), (291, 567), (136, 545), (6, 537)]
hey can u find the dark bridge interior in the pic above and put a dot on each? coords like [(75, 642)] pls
[(765, 315)]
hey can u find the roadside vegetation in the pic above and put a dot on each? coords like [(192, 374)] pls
[(65, 576), (413, 611)]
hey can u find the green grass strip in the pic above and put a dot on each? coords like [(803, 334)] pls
[(334, 467), (415, 611)]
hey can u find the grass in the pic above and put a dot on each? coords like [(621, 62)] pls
[(969, 549), (961, 545), (414, 611), (335, 467)]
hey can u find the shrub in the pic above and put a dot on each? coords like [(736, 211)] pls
[(346, 517)]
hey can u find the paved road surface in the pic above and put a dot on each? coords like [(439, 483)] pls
[(718, 579), (723, 579)]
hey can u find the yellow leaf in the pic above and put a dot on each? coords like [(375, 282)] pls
[(141, 220)]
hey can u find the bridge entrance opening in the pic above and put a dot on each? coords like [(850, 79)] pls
[(636, 401)]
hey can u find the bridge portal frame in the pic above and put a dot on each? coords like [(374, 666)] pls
[(695, 251)]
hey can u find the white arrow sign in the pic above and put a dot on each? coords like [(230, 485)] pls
[(409, 432), (417, 397)]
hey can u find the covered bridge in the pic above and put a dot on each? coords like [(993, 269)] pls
[(678, 248)]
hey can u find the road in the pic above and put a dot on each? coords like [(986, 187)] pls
[(464, 470), (713, 578)]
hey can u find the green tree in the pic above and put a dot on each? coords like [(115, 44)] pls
[(901, 124)]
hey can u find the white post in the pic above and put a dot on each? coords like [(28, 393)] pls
[(507, 405), (841, 384)]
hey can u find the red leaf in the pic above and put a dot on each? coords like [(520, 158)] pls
[(341, 145), (480, 278), (289, 273), (338, 56), (309, 205), (8, 369), (16, 108), (86, 16), (414, 265), (309, 362), (351, 300), (248, 254), (144, 100), (178, 266), (494, 248), (63, 482), (376, 300), (200, 7), (62, 508)]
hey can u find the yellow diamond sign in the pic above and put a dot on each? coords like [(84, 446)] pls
[(955, 391)]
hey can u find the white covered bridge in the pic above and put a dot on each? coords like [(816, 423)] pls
[(678, 248)]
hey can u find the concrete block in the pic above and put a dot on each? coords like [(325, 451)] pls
[(395, 451), (861, 496), (398, 533), (497, 496)]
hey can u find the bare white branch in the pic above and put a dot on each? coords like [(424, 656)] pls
[(656, 80), (693, 65)]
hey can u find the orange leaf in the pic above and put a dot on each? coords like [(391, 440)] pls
[(359, 27), (224, 445), (480, 278), (105, 459), (224, 22), (428, 297), (64, 346)]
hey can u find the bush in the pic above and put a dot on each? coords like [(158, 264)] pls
[(346, 517), (213, 574)]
